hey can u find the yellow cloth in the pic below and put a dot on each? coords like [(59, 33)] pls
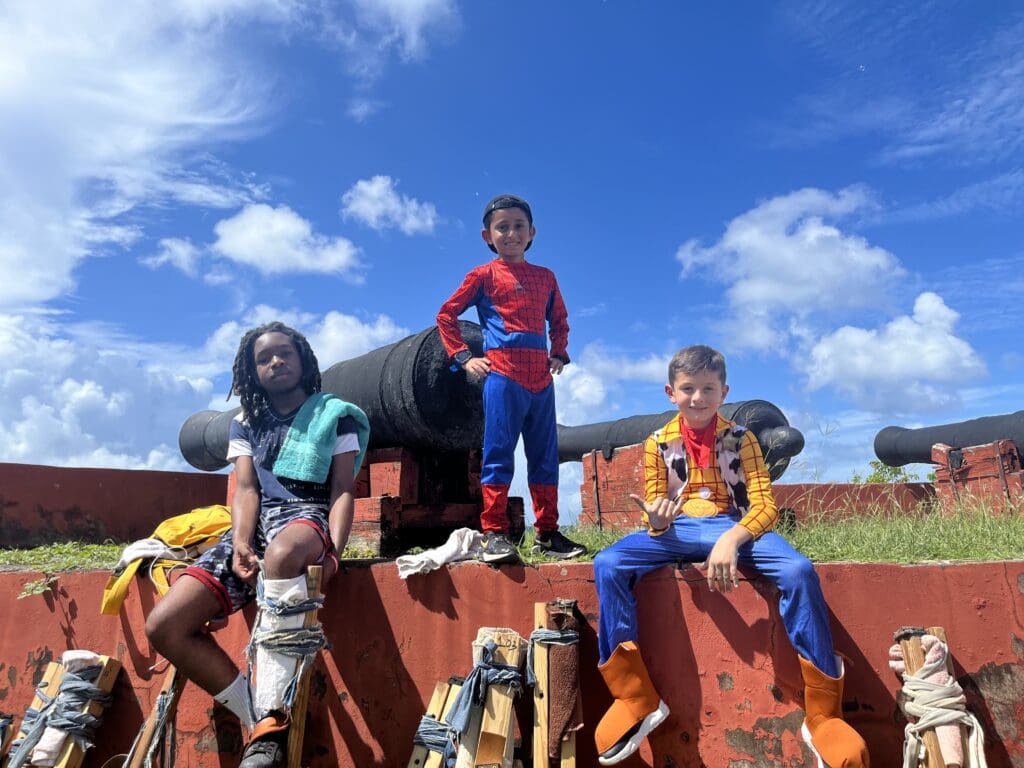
[(194, 531)]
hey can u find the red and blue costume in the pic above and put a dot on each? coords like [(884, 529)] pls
[(518, 303)]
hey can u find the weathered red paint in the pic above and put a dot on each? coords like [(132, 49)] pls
[(41, 505), (722, 663)]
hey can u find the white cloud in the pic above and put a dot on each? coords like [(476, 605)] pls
[(962, 104), (586, 390), (341, 337), (132, 90), (278, 240), (787, 260), (67, 403), (406, 22), (362, 109), (912, 364), (177, 252), (88, 394), (376, 203)]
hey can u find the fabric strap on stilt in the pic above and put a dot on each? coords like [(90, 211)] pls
[(301, 643), (5, 724), (484, 674), (64, 712), (547, 637), (437, 737), (163, 745), (935, 704)]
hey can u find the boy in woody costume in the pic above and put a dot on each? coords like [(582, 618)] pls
[(708, 499)]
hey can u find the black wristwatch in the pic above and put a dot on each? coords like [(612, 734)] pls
[(463, 357)]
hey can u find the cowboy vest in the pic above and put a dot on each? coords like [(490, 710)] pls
[(727, 455)]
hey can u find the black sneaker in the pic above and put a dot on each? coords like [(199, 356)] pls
[(554, 544), (499, 549), (271, 751)]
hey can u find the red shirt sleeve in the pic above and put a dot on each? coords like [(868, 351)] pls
[(465, 296), (558, 324)]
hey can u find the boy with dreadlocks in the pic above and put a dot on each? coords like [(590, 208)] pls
[(296, 452)]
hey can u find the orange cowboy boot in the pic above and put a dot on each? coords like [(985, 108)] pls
[(636, 711), (835, 744)]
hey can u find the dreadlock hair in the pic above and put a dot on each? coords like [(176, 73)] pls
[(245, 384)]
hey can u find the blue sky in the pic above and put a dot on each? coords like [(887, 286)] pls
[(830, 193)]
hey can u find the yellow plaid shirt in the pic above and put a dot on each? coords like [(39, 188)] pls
[(762, 512)]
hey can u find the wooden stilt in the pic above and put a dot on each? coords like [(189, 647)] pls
[(71, 755), (434, 708), (171, 688), (909, 639), (540, 691), (436, 759), (297, 730), (496, 727), (542, 701)]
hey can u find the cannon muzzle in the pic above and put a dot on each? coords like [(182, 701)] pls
[(897, 446), (779, 441), (407, 389)]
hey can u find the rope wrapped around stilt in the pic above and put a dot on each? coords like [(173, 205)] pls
[(484, 674), (163, 744), (437, 737), (935, 704), (63, 712), (302, 643), (547, 637)]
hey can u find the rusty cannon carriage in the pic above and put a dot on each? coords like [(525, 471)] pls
[(421, 477), (976, 458)]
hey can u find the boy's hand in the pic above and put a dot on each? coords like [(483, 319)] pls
[(478, 367), (721, 565), (244, 562), (555, 365), (660, 512)]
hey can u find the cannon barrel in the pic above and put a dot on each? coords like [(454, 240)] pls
[(779, 441), (410, 395), (897, 446)]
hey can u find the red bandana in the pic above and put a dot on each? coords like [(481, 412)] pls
[(700, 443)]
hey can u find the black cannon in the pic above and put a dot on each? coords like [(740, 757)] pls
[(779, 441), (407, 389), (897, 446)]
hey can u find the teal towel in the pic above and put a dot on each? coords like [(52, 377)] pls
[(309, 444)]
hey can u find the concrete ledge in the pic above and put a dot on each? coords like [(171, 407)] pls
[(723, 664)]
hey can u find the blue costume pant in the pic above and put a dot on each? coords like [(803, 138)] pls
[(510, 409), (618, 568)]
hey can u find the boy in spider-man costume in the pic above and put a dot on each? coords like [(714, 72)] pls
[(516, 301)]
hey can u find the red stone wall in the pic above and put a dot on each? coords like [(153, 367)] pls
[(723, 663), (41, 505)]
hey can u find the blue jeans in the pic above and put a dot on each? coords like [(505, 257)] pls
[(802, 607)]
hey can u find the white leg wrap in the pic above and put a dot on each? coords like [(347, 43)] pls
[(275, 670)]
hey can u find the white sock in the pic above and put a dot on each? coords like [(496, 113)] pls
[(237, 697), (275, 670)]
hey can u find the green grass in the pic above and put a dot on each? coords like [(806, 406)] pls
[(879, 535), (972, 532)]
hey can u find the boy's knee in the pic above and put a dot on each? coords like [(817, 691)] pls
[(286, 560), (798, 571), (160, 629), (606, 565)]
